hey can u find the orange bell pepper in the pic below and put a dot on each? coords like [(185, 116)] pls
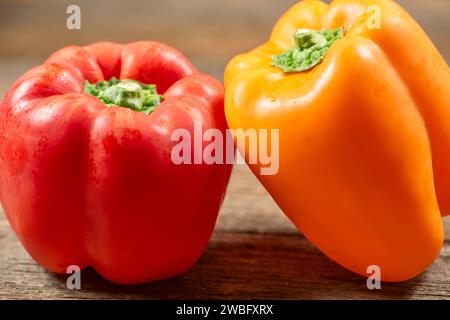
[(364, 127)]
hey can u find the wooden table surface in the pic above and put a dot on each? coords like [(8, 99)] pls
[(255, 252)]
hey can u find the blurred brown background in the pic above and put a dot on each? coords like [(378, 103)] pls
[(255, 251), (208, 32)]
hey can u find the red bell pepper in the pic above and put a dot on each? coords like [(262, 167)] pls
[(88, 180)]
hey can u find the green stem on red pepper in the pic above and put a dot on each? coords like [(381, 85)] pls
[(126, 93)]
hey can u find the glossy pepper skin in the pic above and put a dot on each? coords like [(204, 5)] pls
[(87, 185), (364, 136)]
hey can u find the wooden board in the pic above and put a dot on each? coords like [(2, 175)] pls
[(255, 251)]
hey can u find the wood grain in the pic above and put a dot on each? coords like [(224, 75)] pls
[(255, 252)]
